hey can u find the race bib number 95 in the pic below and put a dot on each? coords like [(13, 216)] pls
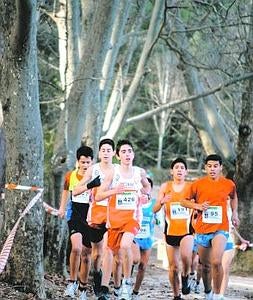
[(213, 215)]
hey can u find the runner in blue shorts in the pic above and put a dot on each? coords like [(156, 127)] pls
[(143, 243)]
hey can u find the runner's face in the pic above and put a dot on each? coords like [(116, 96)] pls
[(126, 154), (106, 153), (179, 171), (213, 169), (84, 163)]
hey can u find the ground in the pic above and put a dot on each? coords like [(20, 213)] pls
[(155, 286)]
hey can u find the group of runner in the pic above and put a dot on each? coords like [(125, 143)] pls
[(111, 214)]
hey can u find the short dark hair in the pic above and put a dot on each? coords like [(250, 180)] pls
[(214, 157), (106, 141), (178, 160), (84, 151), (150, 181), (121, 143)]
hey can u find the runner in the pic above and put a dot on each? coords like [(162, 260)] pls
[(97, 213), (178, 231), (229, 252), (209, 196), (125, 187), (76, 216), (143, 243)]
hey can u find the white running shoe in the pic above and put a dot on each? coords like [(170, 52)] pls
[(197, 289), (126, 292), (71, 289), (135, 297), (83, 295), (209, 296)]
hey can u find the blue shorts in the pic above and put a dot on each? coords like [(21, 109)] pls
[(195, 246), (205, 240), (144, 244), (229, 246)]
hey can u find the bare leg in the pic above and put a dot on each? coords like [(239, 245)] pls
[(173, 258), (145, 254), (227, 259), (85, 265), (75, 255)]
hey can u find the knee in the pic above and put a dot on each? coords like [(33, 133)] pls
[(76, 250), (206, 268)]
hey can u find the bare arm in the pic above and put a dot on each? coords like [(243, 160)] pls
[(161, 198), (146, 187), (104, 191), (64, 201), (82, 184), (234, 206)]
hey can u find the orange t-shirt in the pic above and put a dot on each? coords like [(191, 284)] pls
[(177, 217), (216, 192)]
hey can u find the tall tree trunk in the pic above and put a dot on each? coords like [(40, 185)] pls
[(24, 142), (244, 165), (155, 26)]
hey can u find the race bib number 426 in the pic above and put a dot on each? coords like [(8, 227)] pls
[(126, 200)]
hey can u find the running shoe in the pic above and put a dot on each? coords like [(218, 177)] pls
[(197, 289), (186, 288), (178, 298), (117, 293), (126, 292), (209, 296), (104, 293), (135, 297), (97, 276), (71, 289), (83, 295)]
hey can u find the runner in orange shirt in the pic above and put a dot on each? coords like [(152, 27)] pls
[(178, 230), (125, 187), (210, 194), (97, 213)]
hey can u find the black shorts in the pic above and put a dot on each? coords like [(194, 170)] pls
[(174, 240), (75, 226), (97, 232)]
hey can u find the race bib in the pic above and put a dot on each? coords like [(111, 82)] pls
[(82, 198), (126, 200), (102, 203), (212, 215), (144, 232), (177, 211)]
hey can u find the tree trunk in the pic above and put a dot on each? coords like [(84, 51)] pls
[(152, 35), (244, 165), (24, 143)]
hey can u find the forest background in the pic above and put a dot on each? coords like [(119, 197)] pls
[(175, 77)]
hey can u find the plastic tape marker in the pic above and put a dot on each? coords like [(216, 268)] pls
[(4, 255)]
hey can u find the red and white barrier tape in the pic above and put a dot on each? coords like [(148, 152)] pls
[(4, 255), (49, 209)]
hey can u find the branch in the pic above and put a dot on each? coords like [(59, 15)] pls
[(188, 99)]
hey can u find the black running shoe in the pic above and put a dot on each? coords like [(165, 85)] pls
[(186, 287)]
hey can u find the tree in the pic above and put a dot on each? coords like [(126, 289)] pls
[(244, 163), (24, 150)]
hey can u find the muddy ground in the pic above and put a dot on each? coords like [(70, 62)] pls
[(155, 286)]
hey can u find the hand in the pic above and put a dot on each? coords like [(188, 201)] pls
[(203, 206), (244, 245), (165, 199), (61, 213), (93, 183), (119, 189)]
